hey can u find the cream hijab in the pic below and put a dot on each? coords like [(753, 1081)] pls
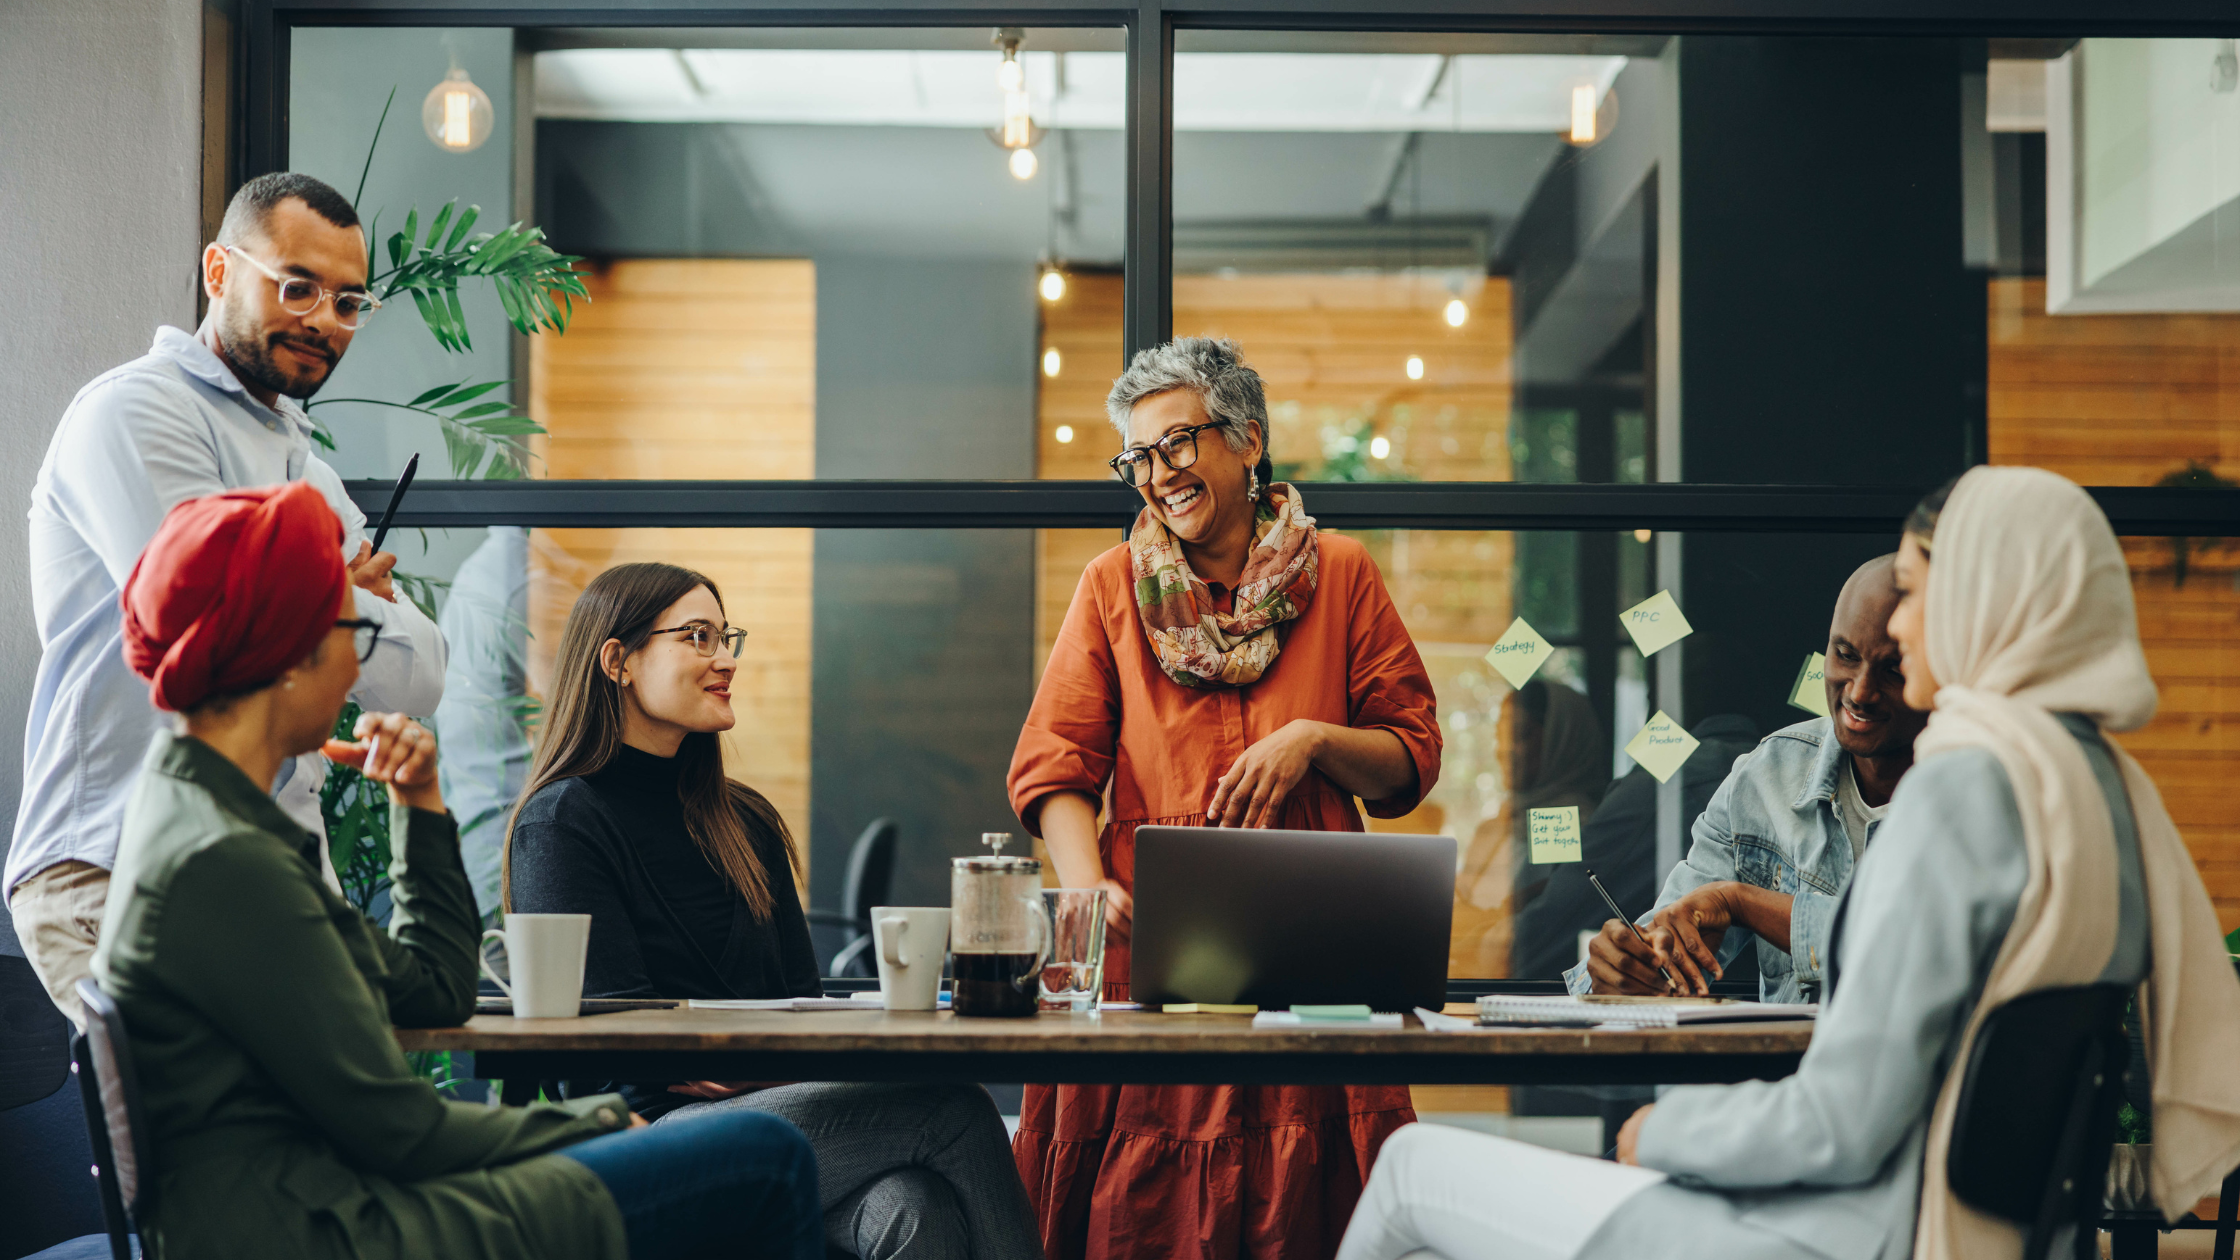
[(2029, 614)]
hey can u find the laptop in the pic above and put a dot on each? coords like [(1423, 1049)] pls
[(1284, 918)]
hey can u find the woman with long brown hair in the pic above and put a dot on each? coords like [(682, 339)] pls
[(687, 875)]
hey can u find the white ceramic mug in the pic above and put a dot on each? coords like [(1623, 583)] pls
[(912, 942), (545, 954)]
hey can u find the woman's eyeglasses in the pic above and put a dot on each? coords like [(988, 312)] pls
[(1179, 449), (705, 638), (365, 636), (299, 296)]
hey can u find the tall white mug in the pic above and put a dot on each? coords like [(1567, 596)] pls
[(912, 943), (545, 954)]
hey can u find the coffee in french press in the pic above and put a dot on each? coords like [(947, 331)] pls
[(999, 936)]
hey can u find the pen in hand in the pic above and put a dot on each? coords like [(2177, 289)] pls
[(1620, 915)]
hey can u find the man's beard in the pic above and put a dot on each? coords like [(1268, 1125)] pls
[(250, 351)]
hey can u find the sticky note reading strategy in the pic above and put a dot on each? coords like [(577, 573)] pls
[(1555, 834), (1661, 746), (1811, 690), (1655, 623), (1517, 655)]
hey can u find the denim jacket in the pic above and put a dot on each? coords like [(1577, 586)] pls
[(1773, 824)]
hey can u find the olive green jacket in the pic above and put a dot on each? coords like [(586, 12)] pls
[(259, 1004)]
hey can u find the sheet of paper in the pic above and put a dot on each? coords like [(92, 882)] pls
[(788, 1004), (1517, 655), (1811, 690), (1655, 623), (1661, 746), (1289, 1019), (1555, 834)]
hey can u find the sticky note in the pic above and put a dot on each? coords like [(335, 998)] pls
[(1655, 623), (1810, 692), (1555, 834), (1661, 746), (1517, 655), (1332, 1012)]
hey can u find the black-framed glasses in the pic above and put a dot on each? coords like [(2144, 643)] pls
[(704, 638), (365, 636), (1179, 449)]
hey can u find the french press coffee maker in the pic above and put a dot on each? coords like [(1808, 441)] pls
[(999, 936)]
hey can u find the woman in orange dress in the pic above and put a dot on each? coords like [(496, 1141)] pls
[(1227, 666)]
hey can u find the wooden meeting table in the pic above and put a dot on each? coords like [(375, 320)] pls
[(1111, 1047)]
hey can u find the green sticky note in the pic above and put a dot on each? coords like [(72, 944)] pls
[(1655, 623), (1518, 654), (1661, 746), (1555, 834), (1331, 1012), (1810, 692)]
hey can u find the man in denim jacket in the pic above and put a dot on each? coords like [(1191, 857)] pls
[(1778, 843)]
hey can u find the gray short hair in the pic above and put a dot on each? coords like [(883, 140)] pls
[(1231, 391)]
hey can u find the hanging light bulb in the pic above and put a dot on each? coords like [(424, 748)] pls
[(1458, 313), (1050, 365), (1582, 114), (1022, 164), (457, 114), (1018, 132), (1379, 447), (1065, 433), (1415, 367), (1053, 285)]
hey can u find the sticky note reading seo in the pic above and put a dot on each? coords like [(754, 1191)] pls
[(1554, 833), (1811, 690), (1661, 746), (1518, 654), (1655, 623)]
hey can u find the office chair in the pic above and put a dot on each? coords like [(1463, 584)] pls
[(123, 1159), (869, 883)]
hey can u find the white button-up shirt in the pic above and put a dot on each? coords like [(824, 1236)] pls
[(171, 426)]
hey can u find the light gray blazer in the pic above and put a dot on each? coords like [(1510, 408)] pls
[(1828, 1161)]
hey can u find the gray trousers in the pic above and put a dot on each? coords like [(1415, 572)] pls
[(905, 1171)]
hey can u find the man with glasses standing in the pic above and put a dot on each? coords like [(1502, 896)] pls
[(196, 415)]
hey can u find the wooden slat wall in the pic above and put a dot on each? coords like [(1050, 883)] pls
[(2123, 400), (701, 368)]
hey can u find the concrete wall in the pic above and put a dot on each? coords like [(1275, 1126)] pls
[(100, 180)]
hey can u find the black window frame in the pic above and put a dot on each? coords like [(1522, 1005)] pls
[(262, 55)]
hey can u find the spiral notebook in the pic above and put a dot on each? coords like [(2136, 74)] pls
[(1632, 1012)]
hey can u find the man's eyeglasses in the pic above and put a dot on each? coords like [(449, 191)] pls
[(299, 296), (705, 638), (364, 636), (1179, 449)]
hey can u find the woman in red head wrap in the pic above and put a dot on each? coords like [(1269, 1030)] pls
[(259, 1004)]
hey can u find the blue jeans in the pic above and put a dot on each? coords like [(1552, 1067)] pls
[(741, 1184)]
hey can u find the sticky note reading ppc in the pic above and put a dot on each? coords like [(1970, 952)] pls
[(1555, 834), (1661, 746), (1810, 692), (1517, 655), (1655, 623)]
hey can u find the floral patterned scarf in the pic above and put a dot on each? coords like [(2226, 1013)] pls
[(1199, 646)]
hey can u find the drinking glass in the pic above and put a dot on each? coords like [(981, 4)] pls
[(1073, 976)]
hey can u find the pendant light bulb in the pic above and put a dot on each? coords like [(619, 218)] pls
[(1458, 313), (457, 114), (1065, 431), (1022, 164), (1053, 286), (1050, 365), (1415, 367), (1380, 446), (1011, 76), (1582, 114)]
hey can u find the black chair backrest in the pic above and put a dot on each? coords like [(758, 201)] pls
[(870, 869), (123, 1123), (2037, 1109), (34, 1038)]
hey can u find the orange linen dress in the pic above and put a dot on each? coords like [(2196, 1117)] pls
[(1208, 1172)]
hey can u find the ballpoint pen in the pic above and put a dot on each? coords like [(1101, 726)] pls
[(1620, 915), (396, 496)]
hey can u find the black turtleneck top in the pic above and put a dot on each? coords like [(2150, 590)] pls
[(664, 920)]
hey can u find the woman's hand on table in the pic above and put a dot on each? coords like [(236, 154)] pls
[(637, 1121), (393, 749), (1253, 791), (1629, 1137), (715, 1090)]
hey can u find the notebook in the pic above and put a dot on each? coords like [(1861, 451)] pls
[(1632, 1012), (872, 1003)]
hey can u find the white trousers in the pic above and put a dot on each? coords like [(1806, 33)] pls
[(1457, 1195)]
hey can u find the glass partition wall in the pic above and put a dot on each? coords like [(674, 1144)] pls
[(1552, 323)]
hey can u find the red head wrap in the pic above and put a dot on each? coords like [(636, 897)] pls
[(234, 589)]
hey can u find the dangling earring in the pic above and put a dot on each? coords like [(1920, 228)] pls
[(1252, 488)]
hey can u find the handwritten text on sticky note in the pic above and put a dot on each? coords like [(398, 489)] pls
[(1555, 834), (1811, 690), (1661, 746), (1518, 654), (1655, 623)]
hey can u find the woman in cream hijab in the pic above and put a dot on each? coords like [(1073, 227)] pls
[(2023, 851)]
